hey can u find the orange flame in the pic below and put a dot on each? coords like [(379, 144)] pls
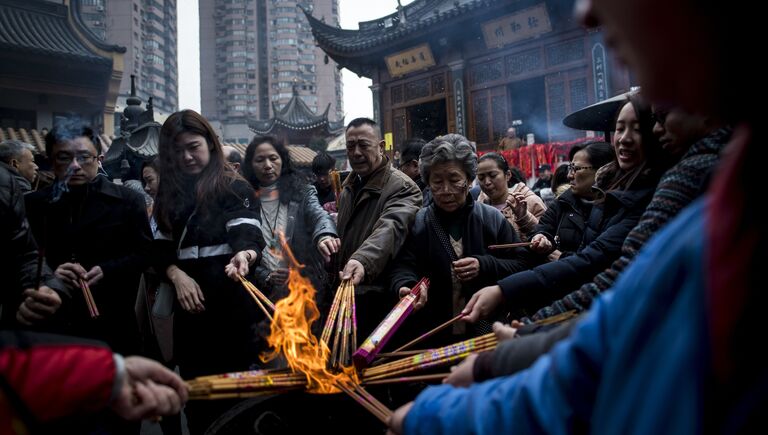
[(291, 333)]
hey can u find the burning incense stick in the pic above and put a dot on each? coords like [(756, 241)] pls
[(510, 245), (359, 395), (430, 333), (258, 297), (256, 292)]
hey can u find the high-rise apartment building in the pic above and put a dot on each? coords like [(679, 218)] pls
[(147, 28), (256, 52)]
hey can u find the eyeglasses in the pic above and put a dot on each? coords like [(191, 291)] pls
[(573, 168), (451, 186), (66, 159)]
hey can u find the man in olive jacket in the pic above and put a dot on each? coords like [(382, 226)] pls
[(377, 206)]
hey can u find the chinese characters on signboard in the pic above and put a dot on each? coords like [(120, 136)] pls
[(599, 72), (414, 59), (523, 24)]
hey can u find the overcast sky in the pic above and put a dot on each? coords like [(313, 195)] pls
[(357, 96)]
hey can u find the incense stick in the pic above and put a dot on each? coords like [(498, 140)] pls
[(510, 245), (256, 292), (435, 377), (430, 333), (402, 353), (89, 301), (359, 395)]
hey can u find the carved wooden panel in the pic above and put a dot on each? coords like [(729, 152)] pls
[(525, 62), (564, 52), (417, 89), (480, 111), (486, 72), (578, 90)]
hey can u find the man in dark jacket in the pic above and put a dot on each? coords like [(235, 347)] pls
[(92, 231), (377, 206), (25, 297)]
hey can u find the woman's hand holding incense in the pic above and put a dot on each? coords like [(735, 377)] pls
[(398, 419), (462, 374), (517, 204), (187, 290), (483, 303), (421, 300), (38, 304), (239, 264), (327, 246), (540, 244), (70, 274)]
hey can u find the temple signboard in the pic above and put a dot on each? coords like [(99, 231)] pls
[(414, 59), (523, 24)]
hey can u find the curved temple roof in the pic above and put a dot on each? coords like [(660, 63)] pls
[(417, 16), (43, 28), (295, 115)]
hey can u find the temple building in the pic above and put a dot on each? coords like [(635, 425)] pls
[(477, 67), (53, 68)]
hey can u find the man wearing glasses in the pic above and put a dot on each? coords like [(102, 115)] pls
[(93, 233)]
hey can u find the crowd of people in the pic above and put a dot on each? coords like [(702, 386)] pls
[(652, 243)]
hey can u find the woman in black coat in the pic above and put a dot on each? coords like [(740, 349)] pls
[(560, 230), (287, 203), (448, 242), (208, 233)]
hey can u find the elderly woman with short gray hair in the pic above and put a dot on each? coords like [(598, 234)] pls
[(448, 242)]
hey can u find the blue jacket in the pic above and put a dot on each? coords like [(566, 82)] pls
[(636, 364)]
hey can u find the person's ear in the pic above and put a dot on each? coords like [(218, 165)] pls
[(14, 163)]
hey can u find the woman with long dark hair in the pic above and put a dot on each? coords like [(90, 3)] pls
[(209, 234), (287, 203)]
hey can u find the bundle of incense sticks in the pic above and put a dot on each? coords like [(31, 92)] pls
[(510, 245), (245, 384), (88, 296), (261, 299), (430, 359), (381, 335), (336, 185), (341, 326)]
